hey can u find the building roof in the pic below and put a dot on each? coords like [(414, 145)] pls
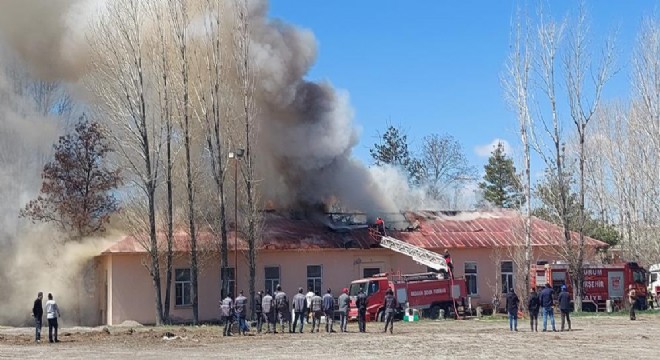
[(431, 230)]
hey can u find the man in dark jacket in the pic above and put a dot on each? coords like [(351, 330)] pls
[(282, 308), (38, 314), (533, 306), (565, 307), (512, 309), (240, 306), (268, 308), (361, 304), (389, 304), (546, 304), (329, 310), (299, 306), (259, 310), (227, 314)]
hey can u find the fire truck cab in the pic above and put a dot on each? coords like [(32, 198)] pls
[(601, 283)]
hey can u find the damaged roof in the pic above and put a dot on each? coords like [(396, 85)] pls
[(426, 229)]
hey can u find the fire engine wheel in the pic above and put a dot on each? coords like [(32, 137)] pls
[(434, 312), (380, 317), (588, 307)]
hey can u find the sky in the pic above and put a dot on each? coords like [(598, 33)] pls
[(436, 66)]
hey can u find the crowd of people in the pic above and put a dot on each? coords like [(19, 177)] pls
[(544, 301), (275, 311)]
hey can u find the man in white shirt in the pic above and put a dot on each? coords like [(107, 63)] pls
[(308, 297), (52, 313)]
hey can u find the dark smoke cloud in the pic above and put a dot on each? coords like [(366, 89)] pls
[(307, 130)]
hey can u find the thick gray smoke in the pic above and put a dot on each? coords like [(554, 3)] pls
[(47, 34), (305, 141), (307, 130)]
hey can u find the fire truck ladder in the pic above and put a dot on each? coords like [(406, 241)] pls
[(422, 256)]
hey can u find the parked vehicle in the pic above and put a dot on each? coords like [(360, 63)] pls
[(601, 283), (427, 292)]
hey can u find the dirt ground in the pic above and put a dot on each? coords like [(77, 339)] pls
[(601, 337)]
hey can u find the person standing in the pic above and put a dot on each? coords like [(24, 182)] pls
[(389, 304), (317, 312), (361, 304), (329, 310), (344, 304), (38, 314), (450, 265), (565, 307), (632, 298), (240, 307), (299, 305), (533, 306), (52, 313), (282, 308), (269, 312), (308, 297), (227, 314), (258, 309), (546, 304), (512, 309)]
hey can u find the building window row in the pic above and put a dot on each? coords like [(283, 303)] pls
[(272, 278)]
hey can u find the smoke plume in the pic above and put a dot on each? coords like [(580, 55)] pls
[(305, 140)]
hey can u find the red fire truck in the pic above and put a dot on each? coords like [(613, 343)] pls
[(427, 292), (601, 283)]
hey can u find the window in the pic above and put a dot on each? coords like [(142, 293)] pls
[(506, 271), (471, 277), (272, 278), (372, 288), (369, 272), (314, 276), (182, 287), (231, 282)]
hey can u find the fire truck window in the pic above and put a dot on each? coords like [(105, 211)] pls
[(638, 277), (355, 289), (654, 277), (373, 287)]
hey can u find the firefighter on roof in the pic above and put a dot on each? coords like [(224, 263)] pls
[(380, 226)]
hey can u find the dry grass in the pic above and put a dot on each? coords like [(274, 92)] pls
[(592, 338)]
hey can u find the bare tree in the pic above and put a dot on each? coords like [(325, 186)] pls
[(120, 82), (247, 77), (558, 57), (179, 16), (215, 108), (162, 73), (516, 82), (577, 62), (444, 163)]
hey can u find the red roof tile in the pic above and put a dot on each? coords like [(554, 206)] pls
[(435, 231)]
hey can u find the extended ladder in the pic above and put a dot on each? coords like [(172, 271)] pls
[(422, 256)]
